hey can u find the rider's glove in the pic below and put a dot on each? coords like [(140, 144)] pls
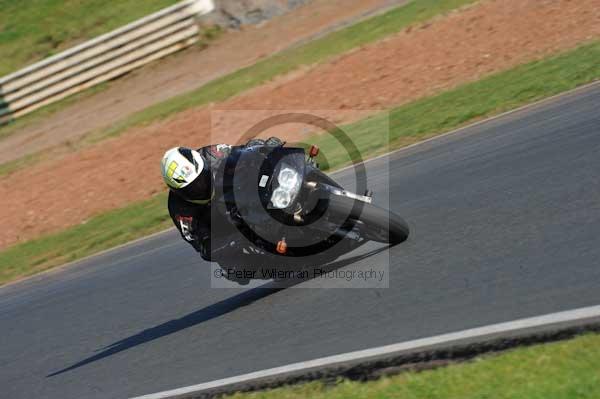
[(274, 142), (270, 142)]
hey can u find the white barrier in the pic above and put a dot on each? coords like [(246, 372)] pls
[(100, 59)]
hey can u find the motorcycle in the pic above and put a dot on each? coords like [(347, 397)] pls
[(292, 214)]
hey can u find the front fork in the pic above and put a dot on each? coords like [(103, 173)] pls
[(319, 191), (332, 190)]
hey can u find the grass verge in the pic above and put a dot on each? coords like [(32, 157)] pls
[(205, 37), (567, 369), (99, 233), (316, 51), (32, 31), (281, 63), (408, 123), (449, 110)]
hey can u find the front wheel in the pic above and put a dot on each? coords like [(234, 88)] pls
[(375, 223)]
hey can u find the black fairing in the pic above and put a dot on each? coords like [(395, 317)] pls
[(245, 168), (247, 200)]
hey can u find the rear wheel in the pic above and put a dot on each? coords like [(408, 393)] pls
[(376, 223)]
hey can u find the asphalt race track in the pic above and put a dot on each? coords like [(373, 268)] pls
[(505, 220)]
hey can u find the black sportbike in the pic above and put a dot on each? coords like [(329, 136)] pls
[(291, 213)]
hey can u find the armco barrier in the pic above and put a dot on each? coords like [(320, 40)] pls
[(101, 59)]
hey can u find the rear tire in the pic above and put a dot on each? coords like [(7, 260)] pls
[(377, 224)]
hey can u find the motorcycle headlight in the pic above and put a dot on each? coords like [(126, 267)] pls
[(289, 185), (281, 198), (288, 178)]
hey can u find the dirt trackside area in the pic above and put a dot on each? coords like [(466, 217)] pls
[(461, 47), (184, 72)]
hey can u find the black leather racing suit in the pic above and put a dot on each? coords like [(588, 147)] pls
[(194, 220)]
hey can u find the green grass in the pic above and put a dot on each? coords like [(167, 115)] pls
[(319, 50), (465, 104), (206, 35), (228, 86), (561, 370), (32, 30), (99, 233), (408, 123), (11, 166)]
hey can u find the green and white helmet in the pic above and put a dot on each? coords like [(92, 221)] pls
[(187, 174)]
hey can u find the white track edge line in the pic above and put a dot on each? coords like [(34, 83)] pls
[(479, 332)]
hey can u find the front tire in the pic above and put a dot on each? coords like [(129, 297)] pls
[(376, 223)]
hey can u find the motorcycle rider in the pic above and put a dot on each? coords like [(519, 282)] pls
[(191, 176)]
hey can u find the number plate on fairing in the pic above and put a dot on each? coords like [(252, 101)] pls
[(263, 181)]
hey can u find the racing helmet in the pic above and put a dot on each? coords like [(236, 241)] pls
[(188, 175)]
